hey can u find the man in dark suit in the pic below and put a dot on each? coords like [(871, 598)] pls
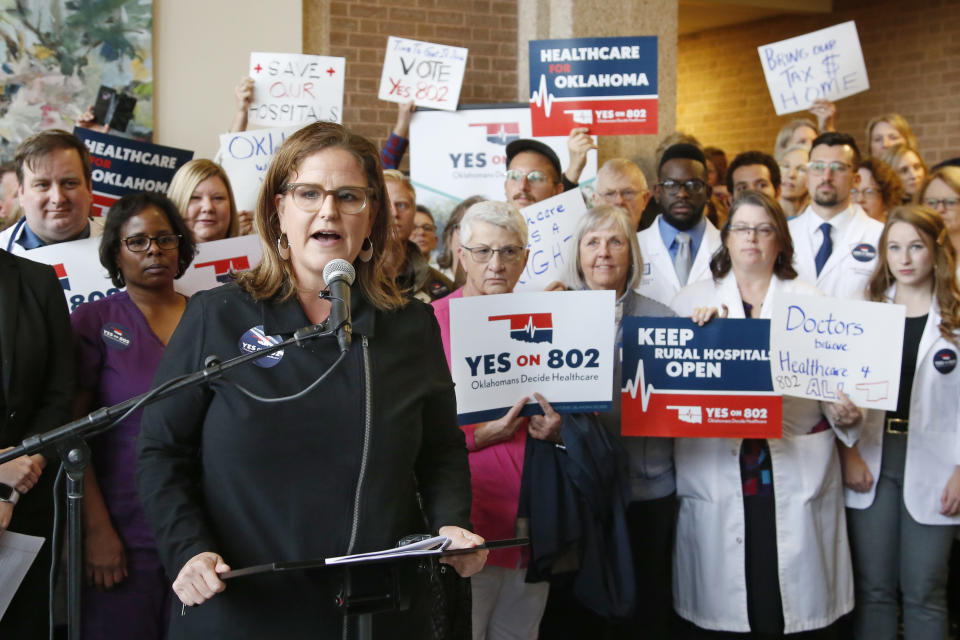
[(36, 393)]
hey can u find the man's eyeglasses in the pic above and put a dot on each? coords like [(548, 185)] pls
[(673, 187), (534, 177), (821, 167), (426, 228), (139, 244), (310, 197), (482, 254)]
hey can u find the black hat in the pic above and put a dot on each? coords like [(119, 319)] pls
[(527, 144)]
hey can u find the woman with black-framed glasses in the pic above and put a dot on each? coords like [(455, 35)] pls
[(145, 246)]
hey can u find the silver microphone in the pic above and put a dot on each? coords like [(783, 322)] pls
[(339, 275)]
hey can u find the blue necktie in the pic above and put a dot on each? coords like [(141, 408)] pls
[(825, 249)]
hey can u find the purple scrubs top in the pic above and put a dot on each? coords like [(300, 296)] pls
[(118, 355)]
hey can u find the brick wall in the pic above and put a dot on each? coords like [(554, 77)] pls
[(358, 31), (912, 53)]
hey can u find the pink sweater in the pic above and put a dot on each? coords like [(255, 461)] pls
[(495, 470)]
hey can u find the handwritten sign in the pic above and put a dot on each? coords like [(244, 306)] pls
[(606, 84), (819, 345), (683, 380), (824, 64), (123, 165), (429, 74), (84, 279), (246, 156), (551, 224), (292, 88), (463, 153), (505, 347)]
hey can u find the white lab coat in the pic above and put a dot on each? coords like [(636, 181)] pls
[(846, 273), (14, 232), (933, 439), (709, 581), (660, 280)]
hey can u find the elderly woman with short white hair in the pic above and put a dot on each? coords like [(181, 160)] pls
[(493, 240)]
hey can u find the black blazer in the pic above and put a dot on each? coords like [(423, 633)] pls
[(37, 355)]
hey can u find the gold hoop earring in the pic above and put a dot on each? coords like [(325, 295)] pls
[(283, 247), (366, 250)]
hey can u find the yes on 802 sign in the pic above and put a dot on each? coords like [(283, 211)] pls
[(505, 347)]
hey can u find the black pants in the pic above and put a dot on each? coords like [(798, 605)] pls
[(651, 525)]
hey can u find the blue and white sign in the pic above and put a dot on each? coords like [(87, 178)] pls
[(684, 380), (464, 153), (123, 165), (606, 84), (820, 344), (246, 156), (825, 64), (506, 347), (551, 224)]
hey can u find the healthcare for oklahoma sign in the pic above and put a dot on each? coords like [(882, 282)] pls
[(505, 347), (683, 380), (606, 84)]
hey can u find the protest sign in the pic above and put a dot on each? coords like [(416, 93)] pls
[(122, 166), (84, 279), (824, 64), (78, 267), (427, 73), (463, 153), (293, 88), (550, 227), (505, 347), (683, 380), (246, 156), (216, 262), (606, 84), (820, 344)]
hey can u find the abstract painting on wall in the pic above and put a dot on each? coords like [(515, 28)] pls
[(59, 58)]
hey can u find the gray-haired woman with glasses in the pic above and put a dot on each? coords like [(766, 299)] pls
[(120, 339), (493, 240)]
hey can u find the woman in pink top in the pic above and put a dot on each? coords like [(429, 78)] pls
[(493, 237)]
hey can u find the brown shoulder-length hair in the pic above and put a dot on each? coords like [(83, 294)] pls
[(274, 276), (891, 187), (720, 264), (929, 225)]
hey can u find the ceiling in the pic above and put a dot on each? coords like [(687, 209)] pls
[(698, 15)]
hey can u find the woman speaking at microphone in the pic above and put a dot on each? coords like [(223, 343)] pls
[(761, 547), (231, 481)]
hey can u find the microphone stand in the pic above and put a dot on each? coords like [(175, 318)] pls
[(69, 441)]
